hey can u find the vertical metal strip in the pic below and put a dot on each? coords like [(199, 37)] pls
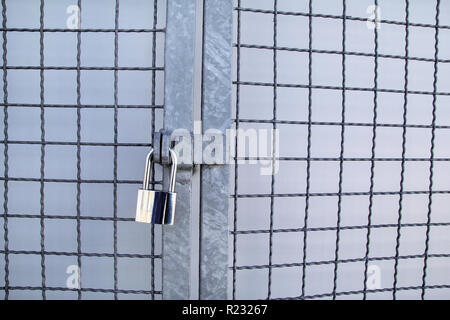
[(216, 114), (432, 149), (79, 149), (308, 161), (341, 153), (116, 135), (152, 236), (179, 89), (274, 126), (372, 161), (403, 162), (236, 167), (42, 171), (5, 152)]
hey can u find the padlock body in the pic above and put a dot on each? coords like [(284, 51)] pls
[(156, 207)]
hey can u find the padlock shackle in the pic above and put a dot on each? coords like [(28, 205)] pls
[(173, 170), (148, 168)]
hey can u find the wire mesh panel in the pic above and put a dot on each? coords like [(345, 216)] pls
[(359, 93), (82, 96)]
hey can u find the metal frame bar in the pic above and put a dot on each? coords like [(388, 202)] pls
[(185, 277), (216, 114), (179, 91)]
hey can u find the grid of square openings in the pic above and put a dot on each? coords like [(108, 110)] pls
[(357, 208), (80, 106)]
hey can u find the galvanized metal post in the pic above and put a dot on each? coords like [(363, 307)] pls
[(179, 82), (216, 114), (202, 275)]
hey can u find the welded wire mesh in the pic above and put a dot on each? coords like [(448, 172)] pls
[(359, 93), (80, 106)]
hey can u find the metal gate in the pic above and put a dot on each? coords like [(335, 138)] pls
[(347, 99), (82, 97), (359, 93)]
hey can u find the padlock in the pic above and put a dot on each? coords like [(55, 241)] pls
[(157, 207)]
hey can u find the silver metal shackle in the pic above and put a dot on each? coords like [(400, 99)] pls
[(148, 169)]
